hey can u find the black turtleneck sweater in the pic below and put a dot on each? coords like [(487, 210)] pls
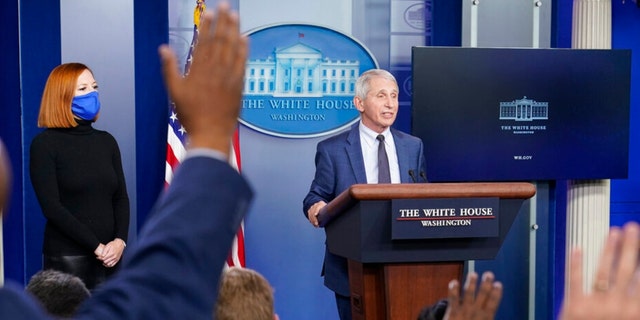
[(78, 179)]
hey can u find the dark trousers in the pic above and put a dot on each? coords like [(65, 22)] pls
[(344, 307), (87, 268)]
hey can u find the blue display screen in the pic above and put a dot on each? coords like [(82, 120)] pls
[(492, 114)]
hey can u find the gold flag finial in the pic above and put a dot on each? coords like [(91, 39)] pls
[(198, 11)]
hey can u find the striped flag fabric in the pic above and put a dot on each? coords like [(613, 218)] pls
[(176, 139)]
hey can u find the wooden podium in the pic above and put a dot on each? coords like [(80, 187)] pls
[(394, 279)]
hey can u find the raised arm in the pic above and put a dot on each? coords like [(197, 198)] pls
[(174, 269)]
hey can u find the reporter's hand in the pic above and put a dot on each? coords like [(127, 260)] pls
[(208, 98), (616, 290), (481, 306)]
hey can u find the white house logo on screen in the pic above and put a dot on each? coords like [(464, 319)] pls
[(300, 80), (523, 111)]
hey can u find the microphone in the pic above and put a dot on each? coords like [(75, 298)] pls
[(423, 176), (412, 175)]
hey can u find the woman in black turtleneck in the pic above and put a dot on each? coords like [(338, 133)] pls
[(76, 172)]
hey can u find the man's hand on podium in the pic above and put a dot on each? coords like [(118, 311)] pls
[(312, 213)]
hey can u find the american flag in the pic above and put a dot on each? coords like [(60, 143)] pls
[(176, 138)]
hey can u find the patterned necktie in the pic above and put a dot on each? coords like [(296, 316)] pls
[(384, 175)]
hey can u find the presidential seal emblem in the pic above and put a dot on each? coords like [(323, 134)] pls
[(300, 80)]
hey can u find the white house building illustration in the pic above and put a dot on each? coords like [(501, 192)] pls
[(524, 110), (300, 71)]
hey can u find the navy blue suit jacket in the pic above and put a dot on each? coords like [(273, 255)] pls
[(174, 269), (340, 164)]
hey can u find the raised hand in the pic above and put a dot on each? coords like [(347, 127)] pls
[(208, 98)]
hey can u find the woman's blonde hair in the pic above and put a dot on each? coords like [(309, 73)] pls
[(55, 107)]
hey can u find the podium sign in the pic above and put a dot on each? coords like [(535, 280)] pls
[(444, 218)]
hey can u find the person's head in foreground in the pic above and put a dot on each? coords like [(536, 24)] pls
[(59, 293), (244, 294)]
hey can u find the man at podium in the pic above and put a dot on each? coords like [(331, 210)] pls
[(370, 152)]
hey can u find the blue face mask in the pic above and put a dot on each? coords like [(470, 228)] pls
[(86, 106)]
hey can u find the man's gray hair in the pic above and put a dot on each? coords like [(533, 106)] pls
[(362, 85)]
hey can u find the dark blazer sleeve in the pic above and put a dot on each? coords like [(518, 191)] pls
[(174, 269), (339, 164), (323, 184)]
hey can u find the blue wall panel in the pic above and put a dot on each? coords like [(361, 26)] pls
[(10, 134), (561, 20), (40, 53), (625, 198), (151, 30)]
